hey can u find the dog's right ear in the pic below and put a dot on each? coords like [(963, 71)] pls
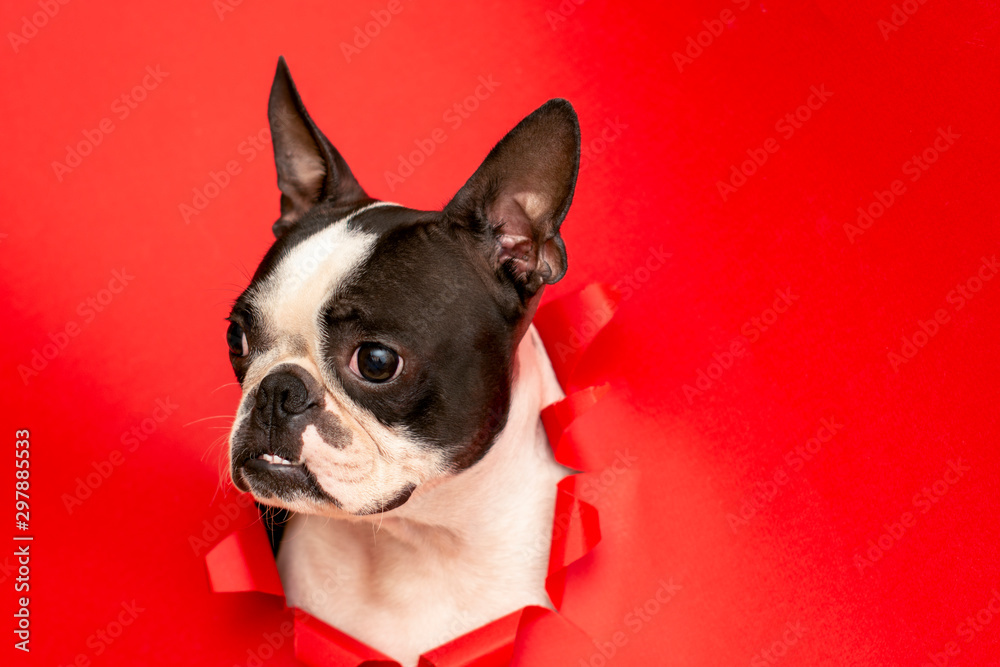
[(310, 170), (520, 195)]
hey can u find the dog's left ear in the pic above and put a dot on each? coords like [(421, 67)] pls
[(310, 169), (520, 194)]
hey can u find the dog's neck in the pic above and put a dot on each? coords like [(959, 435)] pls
[(477, 541)]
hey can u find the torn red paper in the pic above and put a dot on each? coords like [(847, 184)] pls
[(242, 562)]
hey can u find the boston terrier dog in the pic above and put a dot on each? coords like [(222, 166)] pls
[(392, 382)]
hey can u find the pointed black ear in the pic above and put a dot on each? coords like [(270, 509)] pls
[(521, 193), (310, 169)]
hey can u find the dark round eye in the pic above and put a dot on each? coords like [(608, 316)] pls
[(237, 340), (376, 363)]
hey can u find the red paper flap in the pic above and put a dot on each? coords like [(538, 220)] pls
[(557, 419), (570, 323), (547, 638), (319, 644), (575, 531), (489, 646), (242, 562)]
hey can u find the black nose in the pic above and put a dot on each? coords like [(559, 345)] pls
[(282, 395)]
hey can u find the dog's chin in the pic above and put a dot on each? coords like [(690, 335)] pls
[(295, 488), (265, 479)]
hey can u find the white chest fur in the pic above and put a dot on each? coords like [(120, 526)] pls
[(459, 553)]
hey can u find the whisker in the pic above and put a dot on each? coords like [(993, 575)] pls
[(221, 440), (196, 421)]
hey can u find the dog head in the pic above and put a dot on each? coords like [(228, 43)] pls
[(375, 343)]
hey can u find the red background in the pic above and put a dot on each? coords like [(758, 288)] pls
[(652, 187)]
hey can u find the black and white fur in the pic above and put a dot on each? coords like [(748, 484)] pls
[(422, 504)]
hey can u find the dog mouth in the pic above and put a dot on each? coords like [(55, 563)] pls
[(274, 459), (271, 477), (267, 474), (273, 466), (268, 464)]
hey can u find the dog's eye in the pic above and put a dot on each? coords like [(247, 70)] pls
[(376, 363), (237, 340)]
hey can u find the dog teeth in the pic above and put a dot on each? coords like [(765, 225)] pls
[(271, 458)]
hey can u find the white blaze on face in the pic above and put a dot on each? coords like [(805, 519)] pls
[(294, 293)]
